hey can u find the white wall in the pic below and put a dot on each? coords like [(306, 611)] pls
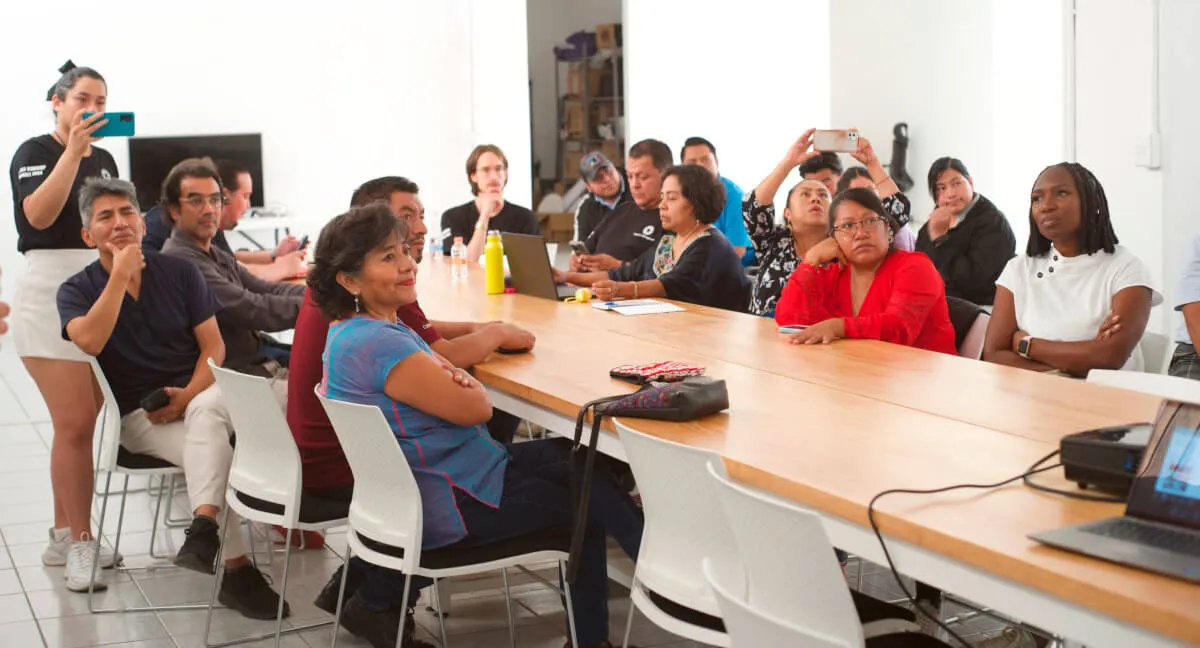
[(550, 22), (1113, 62), (980, 81), (751, 92), (1180, 106), (340, 93)]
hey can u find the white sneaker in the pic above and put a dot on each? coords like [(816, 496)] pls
[(56, 552), (79, 567)]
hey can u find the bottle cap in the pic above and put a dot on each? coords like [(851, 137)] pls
[(458, 239)]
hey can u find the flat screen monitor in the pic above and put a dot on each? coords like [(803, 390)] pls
[(151, 158)]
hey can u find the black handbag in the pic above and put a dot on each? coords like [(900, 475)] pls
[(686, 400)]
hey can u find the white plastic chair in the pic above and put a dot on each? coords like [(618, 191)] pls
[(1169, 387), (751, 628), (112, 459), (265, 482), (791, 572), (386, 517), (683, 526), (972, 345), (1156, 352)]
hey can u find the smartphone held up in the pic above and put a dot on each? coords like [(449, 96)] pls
[(837, 141), (120, 124)]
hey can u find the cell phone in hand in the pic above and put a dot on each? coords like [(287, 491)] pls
[(303, 243), (120, 124), (578, 247), (155, 400), (838, 141), (792, 328)]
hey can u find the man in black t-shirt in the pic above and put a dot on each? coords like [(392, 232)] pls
[(487, 171), (607, 189), (162, 338), (633, 227)]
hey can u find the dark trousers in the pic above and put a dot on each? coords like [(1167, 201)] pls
[(503, 426), (536, 497)]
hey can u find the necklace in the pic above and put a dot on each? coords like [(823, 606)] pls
[(687, 240)]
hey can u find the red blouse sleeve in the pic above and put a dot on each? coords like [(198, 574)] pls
[(810, 296), (916, 287)]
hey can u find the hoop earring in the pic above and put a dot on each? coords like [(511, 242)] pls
[(357, 305)]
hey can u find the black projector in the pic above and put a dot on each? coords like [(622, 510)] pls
[(1106, 459)]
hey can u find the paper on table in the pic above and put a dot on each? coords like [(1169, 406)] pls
[(637, 307)]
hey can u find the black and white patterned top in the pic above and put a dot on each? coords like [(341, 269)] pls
[(776, 249)]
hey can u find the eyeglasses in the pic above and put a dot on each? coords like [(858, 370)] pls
[(848, 229), (196, 202)]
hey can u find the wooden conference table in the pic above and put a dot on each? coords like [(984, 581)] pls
[(831, 426)]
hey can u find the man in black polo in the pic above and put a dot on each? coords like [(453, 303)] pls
[(150, 320), (607, 189), (633, 227), (192, 196)]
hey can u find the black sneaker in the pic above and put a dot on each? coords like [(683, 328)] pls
[(379, 628), (245, 590), (199, 550), (327, 599)]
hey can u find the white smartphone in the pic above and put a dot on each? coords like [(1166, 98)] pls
[(792, 328), (839, 141)]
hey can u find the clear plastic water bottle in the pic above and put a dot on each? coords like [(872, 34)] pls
[(458, 260)]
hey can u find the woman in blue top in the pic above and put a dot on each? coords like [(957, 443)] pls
[(474, 490)]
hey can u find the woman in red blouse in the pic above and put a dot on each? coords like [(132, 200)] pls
[(856, 285)]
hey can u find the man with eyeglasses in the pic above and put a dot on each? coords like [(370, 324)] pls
[(193, 198), (150, 321)]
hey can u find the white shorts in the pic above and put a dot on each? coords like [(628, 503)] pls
[(35, 326)]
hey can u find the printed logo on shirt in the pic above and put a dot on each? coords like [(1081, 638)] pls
[(105, 174), (647, 233), (27, 172)]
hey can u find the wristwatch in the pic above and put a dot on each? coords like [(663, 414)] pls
[(1023, 346)]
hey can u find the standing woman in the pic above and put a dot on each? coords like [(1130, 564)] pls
[(46, 174)]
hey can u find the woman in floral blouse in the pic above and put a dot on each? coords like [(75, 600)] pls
[(779, 247)]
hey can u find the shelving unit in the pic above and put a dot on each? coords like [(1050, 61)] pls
[(582, 108)]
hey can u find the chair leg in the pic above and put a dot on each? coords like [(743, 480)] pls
[(569, 604), (512, 627), (100, 530), (441, 615), (171, 522), (341, 598), (158, 517), (629, 619), (287, 557), (404, 602), (212, 603)]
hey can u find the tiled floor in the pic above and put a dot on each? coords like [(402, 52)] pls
[(37, 610)]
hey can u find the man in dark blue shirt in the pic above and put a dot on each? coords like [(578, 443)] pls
[(150, 320)]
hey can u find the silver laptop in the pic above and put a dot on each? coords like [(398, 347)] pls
[(1160, 530), (529, 266)]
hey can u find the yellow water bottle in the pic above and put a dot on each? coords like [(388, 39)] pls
[(493, 264)]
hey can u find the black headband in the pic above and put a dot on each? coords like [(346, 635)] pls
[(62, 69)]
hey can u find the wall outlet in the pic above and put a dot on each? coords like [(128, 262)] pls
[(1148, 151)]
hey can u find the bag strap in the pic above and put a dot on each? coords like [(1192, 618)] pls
[(581, 495)]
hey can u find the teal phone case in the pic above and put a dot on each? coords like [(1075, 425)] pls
[(120, 124)]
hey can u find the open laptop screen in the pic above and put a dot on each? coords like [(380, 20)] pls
[(1168, 487)]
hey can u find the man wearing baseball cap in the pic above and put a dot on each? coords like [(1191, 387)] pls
[(606, 189)]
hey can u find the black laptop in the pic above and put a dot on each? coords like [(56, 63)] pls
[(1160, 530), (529, 267)]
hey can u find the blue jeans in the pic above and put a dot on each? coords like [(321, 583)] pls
[(537, 497)]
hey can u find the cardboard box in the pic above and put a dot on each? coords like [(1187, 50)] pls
[(557, 227), (571, 160), (575, 79), (612, 150), (608, 35), (573, 117)]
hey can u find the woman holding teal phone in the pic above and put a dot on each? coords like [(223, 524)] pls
[(46, 173)]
